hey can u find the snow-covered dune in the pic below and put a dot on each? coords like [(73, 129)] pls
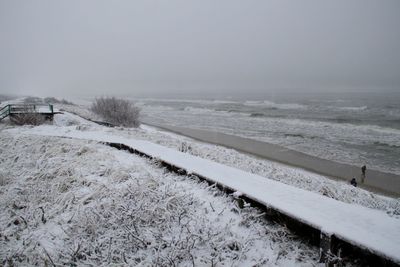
[(362, 226), (75, 202)]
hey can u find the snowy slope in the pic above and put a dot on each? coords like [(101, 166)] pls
[(79, 203), (366, 227)]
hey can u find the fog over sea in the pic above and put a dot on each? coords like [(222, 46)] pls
[(353, 128)]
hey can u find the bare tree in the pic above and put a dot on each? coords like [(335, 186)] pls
[(117, 111)]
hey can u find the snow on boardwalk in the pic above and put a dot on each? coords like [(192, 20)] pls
[(367, 228)]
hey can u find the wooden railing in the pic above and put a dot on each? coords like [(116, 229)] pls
[(25, 109)]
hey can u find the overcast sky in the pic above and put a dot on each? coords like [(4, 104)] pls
[(155, 47)]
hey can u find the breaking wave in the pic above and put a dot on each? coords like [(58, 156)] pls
[(383, 144), (354, 108), (194, 110), (272, 105)]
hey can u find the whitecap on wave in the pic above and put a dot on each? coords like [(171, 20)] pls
[(269, 104), (354, 108)]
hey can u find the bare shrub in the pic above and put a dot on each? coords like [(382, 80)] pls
[(50, 100), (117, 111), (53, 100), (65, 102), (28, 118), (4, 97), (33, 100)]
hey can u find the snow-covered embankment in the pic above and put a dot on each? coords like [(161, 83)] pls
[(363, 227), (74, 202)]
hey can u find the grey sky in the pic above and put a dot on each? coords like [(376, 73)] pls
[(146, 47)]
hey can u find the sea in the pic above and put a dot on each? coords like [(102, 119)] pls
[(355, 128)]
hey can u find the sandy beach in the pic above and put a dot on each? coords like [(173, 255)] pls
[(386, 183)]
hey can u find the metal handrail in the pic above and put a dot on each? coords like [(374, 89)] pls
[(4, 114), (5, 111), (5, 108)]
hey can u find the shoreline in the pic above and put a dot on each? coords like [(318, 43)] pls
[(376, 181)]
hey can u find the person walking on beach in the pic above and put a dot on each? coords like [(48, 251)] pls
[(363, 169)]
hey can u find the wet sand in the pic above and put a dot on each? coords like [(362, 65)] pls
[(381, 182)]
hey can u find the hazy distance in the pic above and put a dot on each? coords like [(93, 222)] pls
[(171, 48)]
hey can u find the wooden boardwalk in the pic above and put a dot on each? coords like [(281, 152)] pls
[(47, 111)]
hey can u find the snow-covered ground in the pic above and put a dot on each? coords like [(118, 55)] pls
[(93, 168), (339, 190), (73, 202)]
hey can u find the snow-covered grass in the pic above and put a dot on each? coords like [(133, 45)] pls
[(80, 110), (336, 189), (73, 202)]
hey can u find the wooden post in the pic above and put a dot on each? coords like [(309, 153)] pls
[(328, 250)]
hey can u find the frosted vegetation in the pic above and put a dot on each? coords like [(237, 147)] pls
[(73, 202), (28, 118), (6, 97), (116, 111), (46, 100)]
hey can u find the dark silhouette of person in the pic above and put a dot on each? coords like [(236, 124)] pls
[(353, 182), (363, 169)]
